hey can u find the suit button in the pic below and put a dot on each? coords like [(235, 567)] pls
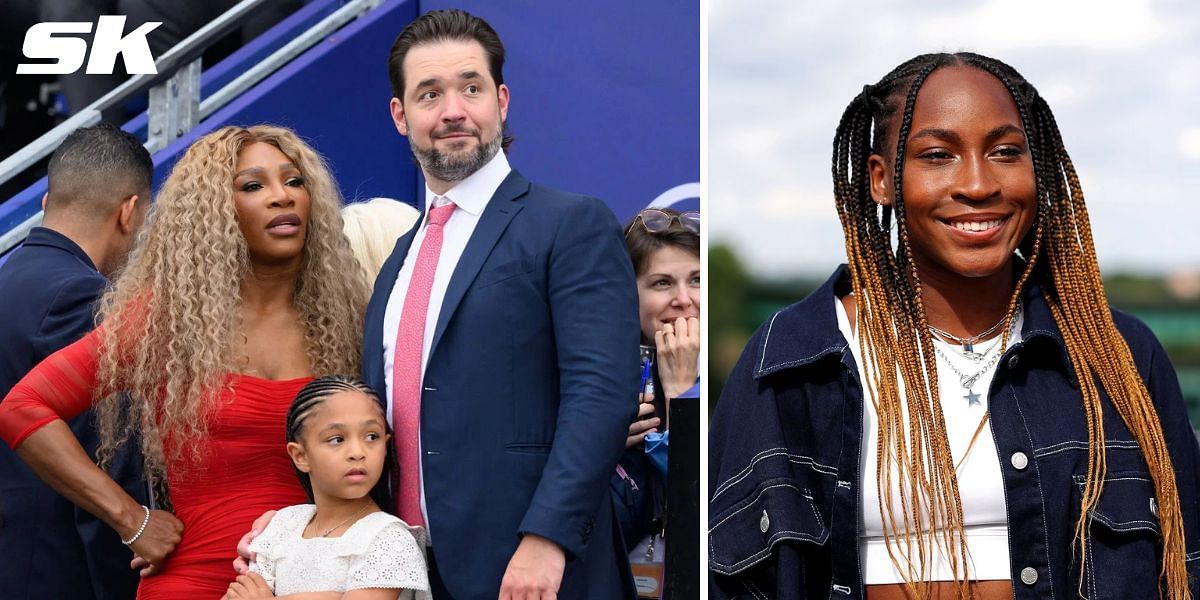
[(1019, 461)]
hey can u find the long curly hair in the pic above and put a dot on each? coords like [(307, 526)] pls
[(171, 320)]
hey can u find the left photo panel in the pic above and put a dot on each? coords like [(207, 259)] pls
[(317, 296)]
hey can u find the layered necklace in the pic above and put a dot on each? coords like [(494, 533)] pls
[(984, 358)]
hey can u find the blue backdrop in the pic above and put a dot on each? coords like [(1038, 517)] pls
[(605, 100)]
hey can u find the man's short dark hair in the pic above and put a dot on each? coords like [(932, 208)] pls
[(95, 168), (441, 26)]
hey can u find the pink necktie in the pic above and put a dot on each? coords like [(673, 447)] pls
[(406, 369)]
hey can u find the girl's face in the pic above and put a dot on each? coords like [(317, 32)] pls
[(669, 288), (968, 187), (342, 446), (272, 204)]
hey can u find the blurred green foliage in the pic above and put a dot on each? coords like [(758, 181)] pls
[(738, 303)]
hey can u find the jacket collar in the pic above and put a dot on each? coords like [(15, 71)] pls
[(807, 331), (42, 236)]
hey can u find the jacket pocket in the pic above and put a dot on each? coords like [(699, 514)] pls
[(1124, 540), (493, 274), (744, 534), (527, 448)]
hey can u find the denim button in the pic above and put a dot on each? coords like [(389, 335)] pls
[(1012, 361), (764, 523), (1153, 507), (1029, 575), (1019, 461)]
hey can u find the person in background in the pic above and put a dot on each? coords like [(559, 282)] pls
[(664, 246), (99, 194), (373, 226)]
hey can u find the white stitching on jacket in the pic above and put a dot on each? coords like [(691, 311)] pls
[(1080, 445), (768, 453)]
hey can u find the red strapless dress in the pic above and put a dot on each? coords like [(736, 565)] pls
[(244, 471)]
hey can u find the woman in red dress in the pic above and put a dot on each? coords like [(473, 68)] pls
[(237, 295)]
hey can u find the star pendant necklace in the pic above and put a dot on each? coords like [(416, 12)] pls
[(968, 380)]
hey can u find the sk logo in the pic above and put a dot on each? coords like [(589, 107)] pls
[(68, 50)]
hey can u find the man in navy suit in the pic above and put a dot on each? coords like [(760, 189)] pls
[(526, 372), (503, 333), (99, 193)]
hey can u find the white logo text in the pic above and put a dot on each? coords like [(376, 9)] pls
[(63, 43)]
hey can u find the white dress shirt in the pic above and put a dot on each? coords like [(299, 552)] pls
[(470, 196)]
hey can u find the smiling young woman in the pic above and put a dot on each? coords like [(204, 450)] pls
[(1012, 435)]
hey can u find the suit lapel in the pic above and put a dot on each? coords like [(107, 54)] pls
[(495, 218)]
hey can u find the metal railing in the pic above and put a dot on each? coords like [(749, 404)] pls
[(187, 51), (174, 93)]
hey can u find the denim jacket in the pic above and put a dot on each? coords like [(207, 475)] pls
[(784, 464)]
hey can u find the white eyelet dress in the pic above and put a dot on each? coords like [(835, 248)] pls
[(378, 551)]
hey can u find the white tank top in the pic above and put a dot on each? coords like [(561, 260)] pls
[(980, 485)]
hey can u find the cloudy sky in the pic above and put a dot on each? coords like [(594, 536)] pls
[(1122, 76)]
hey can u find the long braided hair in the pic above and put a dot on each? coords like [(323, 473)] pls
[(312, 396), (896, 342)]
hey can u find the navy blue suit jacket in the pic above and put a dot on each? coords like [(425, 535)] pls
[(529, 390), (51, 549)]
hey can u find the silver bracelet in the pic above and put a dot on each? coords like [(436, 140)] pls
[(145, 522)]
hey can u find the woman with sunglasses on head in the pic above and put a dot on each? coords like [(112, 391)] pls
[(664, 246), (956, 413)]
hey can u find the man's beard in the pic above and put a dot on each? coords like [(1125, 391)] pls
[(456, 167)]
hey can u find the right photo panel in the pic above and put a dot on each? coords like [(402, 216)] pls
[(954, 300)]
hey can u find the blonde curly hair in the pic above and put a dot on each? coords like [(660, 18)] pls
[(171, 319)]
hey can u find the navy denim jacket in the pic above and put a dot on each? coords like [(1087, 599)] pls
[(784, 464)]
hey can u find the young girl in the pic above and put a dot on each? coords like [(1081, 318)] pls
[(343, 545)]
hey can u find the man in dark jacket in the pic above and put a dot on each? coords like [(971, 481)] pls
[(99, 194)]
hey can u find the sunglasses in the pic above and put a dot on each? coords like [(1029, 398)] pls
[(655, 220)]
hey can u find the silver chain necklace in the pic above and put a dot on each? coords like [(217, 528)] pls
[(968, 380), (968, 343), (978, 353), (313, 522)]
